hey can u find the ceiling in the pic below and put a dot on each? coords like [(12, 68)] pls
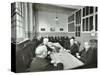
[(70, 6), (59, 8)]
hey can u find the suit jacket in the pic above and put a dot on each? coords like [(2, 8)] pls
[(41, 64), (74, 49), (89, 58), (67, 44)]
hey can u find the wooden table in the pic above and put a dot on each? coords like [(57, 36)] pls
[(68, 60)]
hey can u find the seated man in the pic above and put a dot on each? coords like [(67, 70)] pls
[(67, 44), (39, 63), (88, 56), (74, 49)]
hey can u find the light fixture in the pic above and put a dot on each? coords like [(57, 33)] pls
[(56, 18)]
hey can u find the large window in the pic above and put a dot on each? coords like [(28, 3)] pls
[(21, 21), (71, 23), (71, 27), (78, 23), (85, 19), (89, 21)]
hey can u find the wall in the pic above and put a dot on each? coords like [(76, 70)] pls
[(46, 19)]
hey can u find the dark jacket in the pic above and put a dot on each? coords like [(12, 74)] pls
[(67, 44), (41, 64), (74, 49), (89, 58)]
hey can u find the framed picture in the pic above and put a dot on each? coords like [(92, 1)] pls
[(42, 29), (61, 29), (52, 29)]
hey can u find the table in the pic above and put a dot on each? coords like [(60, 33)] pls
[(68, 60)]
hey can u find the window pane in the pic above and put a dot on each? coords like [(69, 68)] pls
[(77, 31), (87, 10), (96, 9), (79, 28), (83, 12), (91, 23), (83, 25), (71, 27), (91, 10), (71, 18), (87, 24), (78, 17), (96, 22)]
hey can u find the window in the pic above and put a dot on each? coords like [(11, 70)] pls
[(83, 12), (71, 27), (96, 9), (91, 23), (91, 10), (71, 18), (83, 24), (78, 17), (88, 24), (88, 19), (78, 23), (78, 31), (87, 27), (21, 22), (17, 20), (96, 22), (87, 10)]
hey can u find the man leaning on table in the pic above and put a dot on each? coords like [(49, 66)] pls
[(39, 63)]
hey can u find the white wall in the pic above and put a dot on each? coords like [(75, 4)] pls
[(46, 20)]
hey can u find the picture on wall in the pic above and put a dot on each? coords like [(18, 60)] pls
[(61, 29), (52, 29), (42, 29)]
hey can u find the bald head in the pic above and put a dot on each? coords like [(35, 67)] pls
[(72, 41), (45, 41), (86, 45), (41, 51)]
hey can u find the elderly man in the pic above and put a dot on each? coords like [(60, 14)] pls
[(39, 63), (87, 56)]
